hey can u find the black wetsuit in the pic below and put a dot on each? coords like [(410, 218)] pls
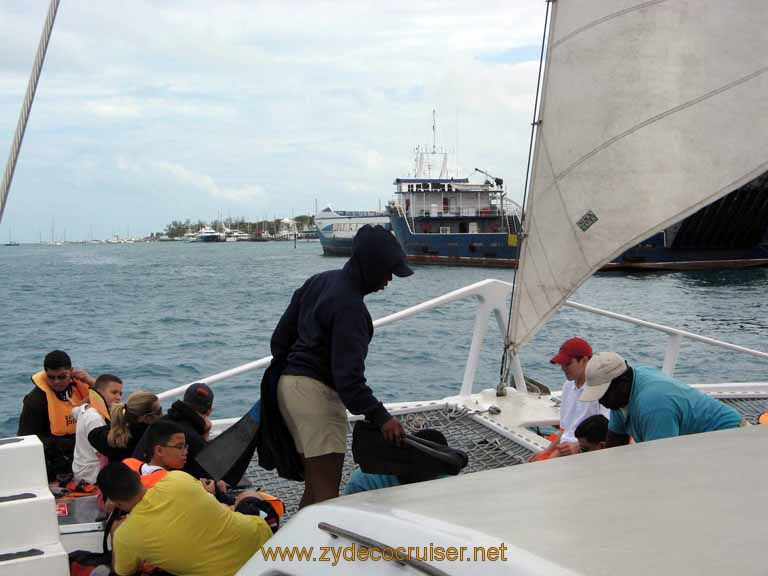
[(34, 420)]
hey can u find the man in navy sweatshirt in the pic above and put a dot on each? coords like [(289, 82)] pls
[(323, 337)]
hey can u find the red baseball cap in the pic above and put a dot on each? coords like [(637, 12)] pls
[(572, 348)]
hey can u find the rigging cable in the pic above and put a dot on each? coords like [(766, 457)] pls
[(18, 136), (504, 368)]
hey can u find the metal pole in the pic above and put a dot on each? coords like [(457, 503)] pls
[(478, 337), (673, 351), (517, 370)]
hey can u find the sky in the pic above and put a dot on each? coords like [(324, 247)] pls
[(153, 111)]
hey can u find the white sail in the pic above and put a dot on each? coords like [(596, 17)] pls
[(650, 110)]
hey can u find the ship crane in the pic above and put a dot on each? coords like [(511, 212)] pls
[(498, 181), (514, 208)]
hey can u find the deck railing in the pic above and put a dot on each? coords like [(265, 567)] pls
[(493, 299)]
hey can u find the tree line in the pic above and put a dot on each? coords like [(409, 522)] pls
[(177, 228)]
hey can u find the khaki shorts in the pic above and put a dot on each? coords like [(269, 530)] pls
[(314, 414)]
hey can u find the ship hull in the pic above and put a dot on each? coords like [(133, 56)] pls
[(612, 266), (499, 251), (336, 246), (336, 230)]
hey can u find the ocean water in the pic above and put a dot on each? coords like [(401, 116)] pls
[(161, 315)]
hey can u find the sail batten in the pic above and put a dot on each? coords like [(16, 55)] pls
[(661, 116), (649, 112), (634, 6)]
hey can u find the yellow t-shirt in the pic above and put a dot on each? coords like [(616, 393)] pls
[(183, 529)]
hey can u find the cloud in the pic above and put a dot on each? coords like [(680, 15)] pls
[(266, 105), (204, 182), (115, 108), (375, 160), (134, 107)]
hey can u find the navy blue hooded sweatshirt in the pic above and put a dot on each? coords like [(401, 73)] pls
[(325, 331)]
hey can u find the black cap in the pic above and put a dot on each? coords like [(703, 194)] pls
[(200, 396), (378, 248), (402, 269)]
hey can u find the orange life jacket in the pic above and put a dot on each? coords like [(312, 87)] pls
[(72, 489), (148, 480), (98, 403), (553, 452), (276, 503), (60, 411)]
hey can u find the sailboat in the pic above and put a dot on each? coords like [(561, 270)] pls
[(11, 242), (649, 110)]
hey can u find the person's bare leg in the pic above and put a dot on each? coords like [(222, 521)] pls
[(322, 478), (306, 497)]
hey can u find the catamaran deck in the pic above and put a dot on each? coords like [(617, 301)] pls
[(497, 439), (749, 408), (508, 438), (487, 449)]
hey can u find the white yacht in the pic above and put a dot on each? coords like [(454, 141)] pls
[(231, 235), (208, 234), (337, 228)]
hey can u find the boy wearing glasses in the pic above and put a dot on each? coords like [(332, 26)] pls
[(191, 414), (167, 449), (47, 410)]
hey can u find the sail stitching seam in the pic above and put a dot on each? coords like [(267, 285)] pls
[(546, 258), (555, 184), (605, 19), (535, 265), (661, 116), (760, 169), (550, 268)]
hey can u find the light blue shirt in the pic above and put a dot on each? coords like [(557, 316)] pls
[(661, 407), (362, 482)]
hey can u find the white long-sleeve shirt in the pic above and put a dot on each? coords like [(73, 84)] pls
[(573, 412), (85, 465)]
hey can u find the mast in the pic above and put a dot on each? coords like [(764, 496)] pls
[(434, 132), (510, 361)]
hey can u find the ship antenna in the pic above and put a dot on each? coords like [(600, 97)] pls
[(456, 168), (434, 136)]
